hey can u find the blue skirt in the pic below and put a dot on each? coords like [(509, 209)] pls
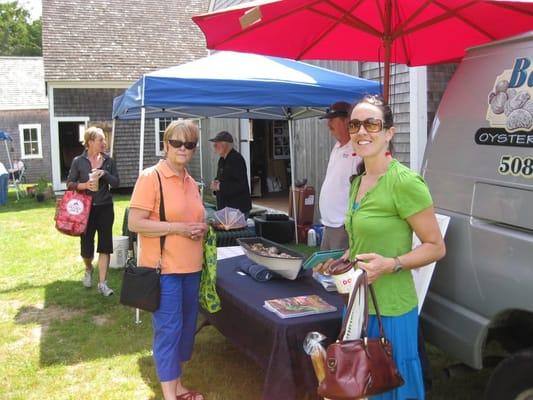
[(402, 332)]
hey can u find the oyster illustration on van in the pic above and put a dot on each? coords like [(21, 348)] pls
[(510, 102)]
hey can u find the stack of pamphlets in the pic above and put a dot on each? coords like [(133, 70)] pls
[(326, 281), (299, 306)]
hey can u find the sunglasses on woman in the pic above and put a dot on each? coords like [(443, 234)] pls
[(178, 143), (372, 125)]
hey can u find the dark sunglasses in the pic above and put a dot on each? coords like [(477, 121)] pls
[(372, 125), (178, 143)]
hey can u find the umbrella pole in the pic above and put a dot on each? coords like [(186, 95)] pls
[(8, 156), (291, 149), (12, 173), (387, 44), (386, 75)]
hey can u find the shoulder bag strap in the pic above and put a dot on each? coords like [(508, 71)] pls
[(162, 216)]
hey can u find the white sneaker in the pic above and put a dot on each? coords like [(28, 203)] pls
[(104, 289), (88, 279)]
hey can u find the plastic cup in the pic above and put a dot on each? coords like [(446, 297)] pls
[(95, 180), (345, 281), (344, 276)]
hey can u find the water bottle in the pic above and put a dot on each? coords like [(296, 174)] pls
[(311, 238)]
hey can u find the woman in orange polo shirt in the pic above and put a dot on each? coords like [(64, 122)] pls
[(181, 259)]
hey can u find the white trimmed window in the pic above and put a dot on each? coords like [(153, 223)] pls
[(30, 141), (160, 126)]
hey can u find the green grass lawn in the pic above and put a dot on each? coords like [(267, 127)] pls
[(59, 340)]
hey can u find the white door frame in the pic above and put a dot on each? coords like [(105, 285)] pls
[(55, 150), (54, 131)]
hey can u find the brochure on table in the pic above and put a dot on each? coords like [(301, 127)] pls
[(299, 306)]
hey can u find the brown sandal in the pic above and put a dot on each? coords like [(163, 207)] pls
[(190, 395)]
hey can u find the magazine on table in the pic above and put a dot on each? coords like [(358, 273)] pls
[(299, 306)]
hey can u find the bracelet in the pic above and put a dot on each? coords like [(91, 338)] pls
[(168, 228)]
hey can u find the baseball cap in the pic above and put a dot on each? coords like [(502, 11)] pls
[(222, 136), (338, 109)]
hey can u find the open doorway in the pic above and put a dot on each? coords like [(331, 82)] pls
[(270, 164), (70, 136)]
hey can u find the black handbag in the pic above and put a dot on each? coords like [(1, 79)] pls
[(141, 287)]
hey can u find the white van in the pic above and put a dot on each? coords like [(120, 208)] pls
[(479, 166)]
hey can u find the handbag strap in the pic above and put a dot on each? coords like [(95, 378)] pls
[(162, 216), (378, 314), (362, 283)]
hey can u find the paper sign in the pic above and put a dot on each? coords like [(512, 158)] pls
[(228, 252), (309, 200), (422, 276)]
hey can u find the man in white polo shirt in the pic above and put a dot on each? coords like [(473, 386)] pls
[(342, 165)]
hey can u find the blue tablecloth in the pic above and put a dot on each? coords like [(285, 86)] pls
[(274, 343)]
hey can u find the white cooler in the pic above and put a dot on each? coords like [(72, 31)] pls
[(120, 252)]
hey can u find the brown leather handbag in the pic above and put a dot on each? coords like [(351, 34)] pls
[(360, 368)]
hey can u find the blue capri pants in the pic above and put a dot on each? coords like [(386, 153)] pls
[(174, 323)]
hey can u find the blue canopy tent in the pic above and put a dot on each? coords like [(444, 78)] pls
[(238, 85), (5, 137)]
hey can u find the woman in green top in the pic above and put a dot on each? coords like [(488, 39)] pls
[(388, 201)]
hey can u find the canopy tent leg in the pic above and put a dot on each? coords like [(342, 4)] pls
[(141, 154), (201, 159), (137, 311), (291, 149), (112, 138), (141, 144)]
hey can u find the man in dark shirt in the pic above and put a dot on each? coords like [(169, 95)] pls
[(231, 182)]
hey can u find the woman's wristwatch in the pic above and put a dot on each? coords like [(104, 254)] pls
[(397, 265)]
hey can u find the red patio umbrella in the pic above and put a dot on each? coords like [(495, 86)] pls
[(412, 32)]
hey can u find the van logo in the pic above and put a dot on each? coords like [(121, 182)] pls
[(510, 101), (510, 108)]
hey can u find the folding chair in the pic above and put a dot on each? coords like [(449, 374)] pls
[(15, 179), (21, 178)]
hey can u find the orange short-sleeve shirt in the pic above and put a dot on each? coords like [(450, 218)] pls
[(182, 204)]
